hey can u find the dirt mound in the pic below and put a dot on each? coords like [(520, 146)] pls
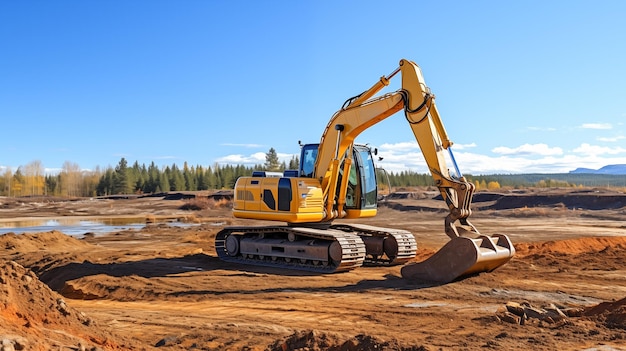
[(311, 340), (571, 246), (53, 241), (42, 252), (611, 314), (33, 317)]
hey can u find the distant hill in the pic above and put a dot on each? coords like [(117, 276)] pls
[(610, 169)]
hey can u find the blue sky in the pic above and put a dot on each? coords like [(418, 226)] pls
[(522, 87)]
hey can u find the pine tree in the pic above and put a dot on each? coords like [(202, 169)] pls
[(120, 185), (52, 183), (294, 163), (200, 179), (164, 183), (176, 178), (153, 179), (272, 163), (189, 177)]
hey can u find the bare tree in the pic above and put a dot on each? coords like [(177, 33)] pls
[(70, 179), (33, 178), (7, 176)]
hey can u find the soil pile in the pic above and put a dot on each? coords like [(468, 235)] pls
[(33, 317), (43, 252), (53, 241), (571, 246), (311, 340), (611, 314)]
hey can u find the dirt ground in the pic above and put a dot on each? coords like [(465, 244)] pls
[(163, 287)]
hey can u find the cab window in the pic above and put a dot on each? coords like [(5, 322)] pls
[(307, 160)]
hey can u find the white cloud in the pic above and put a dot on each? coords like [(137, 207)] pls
[(536, 158), (509, 164), (473, 163), (403, 146), (398, 162), (256, 158), (596, 126), (528, 149), (595, 150), (238, 159), (413, 145), (612, 139), (55, 171), (463, 146)]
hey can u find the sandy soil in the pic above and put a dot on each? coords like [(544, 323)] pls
[(163, 288)]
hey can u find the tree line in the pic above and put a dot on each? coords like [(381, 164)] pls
[(497, 181), (72, 181)]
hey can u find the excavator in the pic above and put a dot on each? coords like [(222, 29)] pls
[(336, 180)]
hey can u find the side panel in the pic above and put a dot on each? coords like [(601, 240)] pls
[(356, 213), (285, 199), (252, 191)]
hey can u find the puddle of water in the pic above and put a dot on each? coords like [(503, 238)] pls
[(77, 227)]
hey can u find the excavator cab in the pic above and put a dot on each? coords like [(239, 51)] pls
[(361, 191)]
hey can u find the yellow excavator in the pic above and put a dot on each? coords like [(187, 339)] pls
[(336, 180)]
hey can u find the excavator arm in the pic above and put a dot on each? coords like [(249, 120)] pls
[(364, 111), (468, 251)]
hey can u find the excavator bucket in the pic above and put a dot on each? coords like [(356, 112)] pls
[(462, 256)]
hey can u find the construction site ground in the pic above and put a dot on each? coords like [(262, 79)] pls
[(163, 287)]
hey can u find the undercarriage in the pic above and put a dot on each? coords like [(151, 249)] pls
[(337, 248)]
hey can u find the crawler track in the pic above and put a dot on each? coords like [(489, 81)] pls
[(398, 246), (338, 248), (349, 249)]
